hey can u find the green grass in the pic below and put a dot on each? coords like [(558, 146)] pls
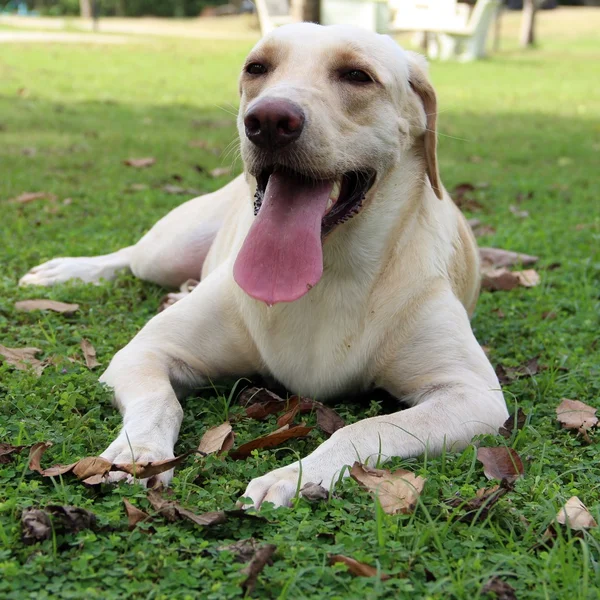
[(524, 123)]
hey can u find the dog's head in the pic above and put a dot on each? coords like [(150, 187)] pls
[(325, 114)]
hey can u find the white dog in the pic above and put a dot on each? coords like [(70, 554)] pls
[(336, 263)]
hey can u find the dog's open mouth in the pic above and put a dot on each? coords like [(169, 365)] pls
[(345, 200), (282, 255)]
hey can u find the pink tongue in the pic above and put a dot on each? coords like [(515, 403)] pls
[(282, 257)]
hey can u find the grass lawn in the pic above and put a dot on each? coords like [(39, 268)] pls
[(524, 125)]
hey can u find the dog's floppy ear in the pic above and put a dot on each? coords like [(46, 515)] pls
[(420, 85)]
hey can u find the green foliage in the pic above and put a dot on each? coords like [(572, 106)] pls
[(521, 123)]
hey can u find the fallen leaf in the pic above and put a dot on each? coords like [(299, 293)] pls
[(220, 172), (357, 568), (260, 403), (243, 550), (261, 558), (397, 491), (479, 507), (91, 466), (27, 197), (501, 589), (35, 455), (288, 417), (328, 420), (314, 492), (528, 278), (217, 439), (23, 359), (89, 354), (150, 469), (496, 257), (462, 196), (136, 187), (501, 279), (575, 515), (172, 511), (573, 414), (528, 369), (515, 210), (6, 452), (175, 189), (41, 304), (515, 422), (35, 526), (140, 163), (134, 514), (269, 441), (500, 463)]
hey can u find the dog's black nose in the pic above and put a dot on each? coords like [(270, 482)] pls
[(273, 123)]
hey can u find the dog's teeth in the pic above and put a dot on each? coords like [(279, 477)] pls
[(335, 192), (329, 204)]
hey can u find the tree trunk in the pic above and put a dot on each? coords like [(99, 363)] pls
[(528, 23), (120, 8), (306, 10), (85, 9)]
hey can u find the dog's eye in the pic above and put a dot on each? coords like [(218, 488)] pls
[(256, 69), (356, 76)]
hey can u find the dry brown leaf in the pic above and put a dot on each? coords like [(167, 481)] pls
[(288, 417), (515, 422), (479, 507), (576, 515), (134, 514), (497, 257), (27, 197), (261, 558), (260, 403), (500, 463), (150, 469), (501, 589), (57, 470), (172, 511), (243, 550), (35, 455), (328, 420), (501, 279), (6, 452), (90, 466), (573, 414), (23, 359), (518, 212), (220, 172), (140, 163), (217, 439), (38, 525), (397, 491), (269, 441), (357, 568), (89, 353), (463, 198), (42, 304), (314, 492), (528, 278), (136, 187)]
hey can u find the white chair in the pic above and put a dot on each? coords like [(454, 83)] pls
[(448, 38)]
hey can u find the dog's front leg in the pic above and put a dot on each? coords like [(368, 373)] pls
[(198, 339), (453, 393)]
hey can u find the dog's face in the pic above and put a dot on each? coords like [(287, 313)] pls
[(325, 113)]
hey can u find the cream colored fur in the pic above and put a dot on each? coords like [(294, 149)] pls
[(391, 311)]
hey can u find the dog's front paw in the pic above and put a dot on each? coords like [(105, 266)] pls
[(282, 485), (122, 452)]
